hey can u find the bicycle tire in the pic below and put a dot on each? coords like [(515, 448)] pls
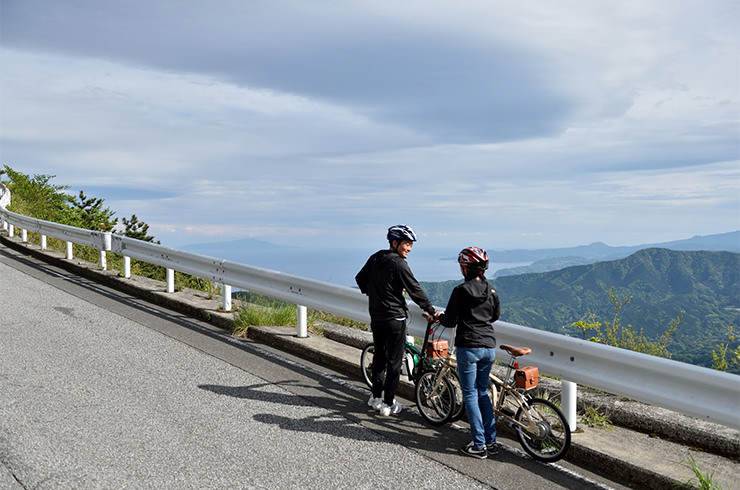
[(551, 440), (366, 364), (435, 401), (459, 410)]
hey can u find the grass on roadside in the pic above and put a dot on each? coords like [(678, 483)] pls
[(273, 315), (257, 309), (593, 418), (703, 481)]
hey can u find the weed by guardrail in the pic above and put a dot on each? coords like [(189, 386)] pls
[(249, 315), (705, 481), (258, 309), (591, 417)]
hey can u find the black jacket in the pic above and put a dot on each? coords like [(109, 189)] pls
[(383, 278), (473, 307)]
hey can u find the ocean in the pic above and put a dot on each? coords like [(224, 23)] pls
[(340, 267)]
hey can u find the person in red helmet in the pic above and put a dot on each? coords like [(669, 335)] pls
[(473, 307), (384, 278)]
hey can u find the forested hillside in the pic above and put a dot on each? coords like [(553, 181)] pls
[(661, 282)]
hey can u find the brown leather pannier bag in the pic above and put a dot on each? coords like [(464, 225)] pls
[(527, 377), (437, 348)]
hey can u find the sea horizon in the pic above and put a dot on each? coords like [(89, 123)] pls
[(340, 268)]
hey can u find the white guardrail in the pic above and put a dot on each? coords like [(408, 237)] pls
[(701, 392)]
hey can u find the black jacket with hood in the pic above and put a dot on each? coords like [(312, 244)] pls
[(473, 307), (383, 278)]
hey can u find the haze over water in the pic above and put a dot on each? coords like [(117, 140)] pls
[(340, 267)]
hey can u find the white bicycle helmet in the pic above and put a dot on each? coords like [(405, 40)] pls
[(400, 233)]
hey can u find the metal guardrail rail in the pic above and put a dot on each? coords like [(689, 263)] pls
[(704, 393)]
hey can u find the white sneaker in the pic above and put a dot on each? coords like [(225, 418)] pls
[(375, 403), (386, 410)]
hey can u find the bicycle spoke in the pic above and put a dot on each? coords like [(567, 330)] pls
[(434, 399), (544, 435)]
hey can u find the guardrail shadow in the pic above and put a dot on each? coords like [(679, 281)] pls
[(341, 413)]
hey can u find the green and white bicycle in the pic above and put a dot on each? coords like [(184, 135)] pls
[(419, 364)]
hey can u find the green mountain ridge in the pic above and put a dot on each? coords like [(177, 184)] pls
[(661, 282), (545, 260)]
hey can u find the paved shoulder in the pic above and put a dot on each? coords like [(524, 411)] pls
[(90, 399)]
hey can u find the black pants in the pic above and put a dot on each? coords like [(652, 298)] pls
[(389, 337)]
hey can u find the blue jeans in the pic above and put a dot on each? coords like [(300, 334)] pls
[(474, 366)]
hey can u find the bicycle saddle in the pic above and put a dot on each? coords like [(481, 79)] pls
[(516, 351)]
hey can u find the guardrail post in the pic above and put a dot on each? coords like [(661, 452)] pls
[(568, 400), (24, 235), (170, 281), (43, 242), (106, 245), (10, 230), (227, 297), (127, 267), (70, 255), (302, 321)]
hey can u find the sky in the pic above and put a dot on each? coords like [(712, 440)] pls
[(494, 123)]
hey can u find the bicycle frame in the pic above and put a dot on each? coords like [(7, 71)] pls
[(422, 362), (425, 363), (447, 364), (508, 401), (437, 391)]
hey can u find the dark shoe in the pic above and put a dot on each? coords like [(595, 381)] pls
[(470, 450), (492, 449)]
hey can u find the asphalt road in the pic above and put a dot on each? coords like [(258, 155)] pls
[(101, 390)]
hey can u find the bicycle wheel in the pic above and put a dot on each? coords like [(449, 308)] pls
[(366, 364), (459, 410), (436, 401), (549, 440)]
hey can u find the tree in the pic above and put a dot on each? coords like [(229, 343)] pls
[(137, 229), (719, 354), (618, 335), (36, 196), (88, 213)]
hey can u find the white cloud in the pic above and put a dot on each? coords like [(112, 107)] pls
[(148, 124), (560, 123)]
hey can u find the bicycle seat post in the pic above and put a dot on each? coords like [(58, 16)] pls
[(510, 367)]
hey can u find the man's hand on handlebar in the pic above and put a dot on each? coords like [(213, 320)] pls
[(435, 317)]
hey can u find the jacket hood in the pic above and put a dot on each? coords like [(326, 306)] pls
[(477, 288)]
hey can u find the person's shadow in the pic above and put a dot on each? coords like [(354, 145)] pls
[(347, 417)]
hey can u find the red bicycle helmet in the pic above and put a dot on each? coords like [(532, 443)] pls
[(473, 258)]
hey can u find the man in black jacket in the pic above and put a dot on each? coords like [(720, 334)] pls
[(384, 278)]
